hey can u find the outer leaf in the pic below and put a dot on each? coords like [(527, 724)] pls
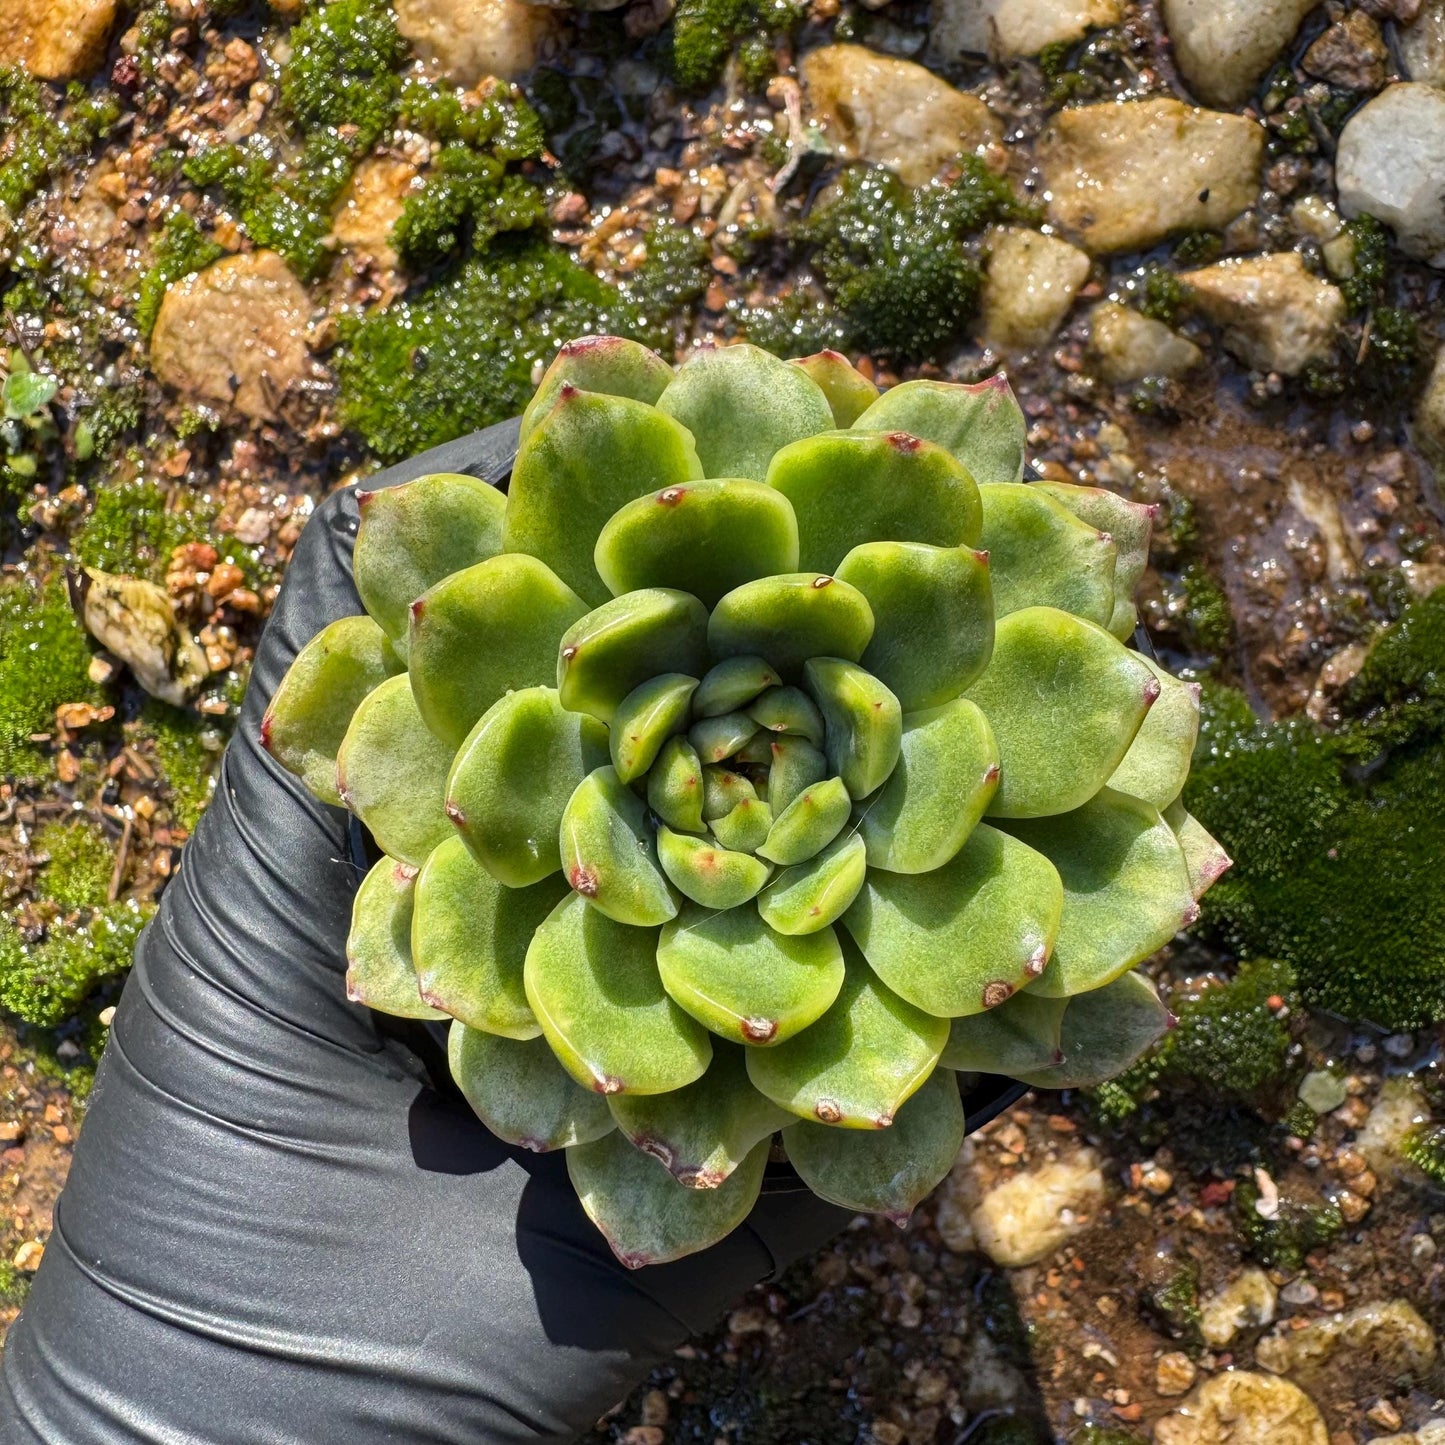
[(733, 684), (469, 940), (794, 765), (981, 425), (719, 738), (966, 936), (702, 1133), (809, 896), (480, 633), (379, 972), (708, 874), (863, 722), (650, 714), (594, 987), (789, 710), (1104, 1032), (1041, 555), (885, 1171), (588, 456), (946, 776), (1064, 700), (853, 487), (859, 1063), (747, 983), (626, 641), (700, 537), (604, 365), (745, 826), (610, 855), (788, 619), (675, 786), (849, 392), (392, 773), (742, 404), (1157, 764), (311, 710), (1126, 889), (645, 1214), (410, 537), (1205, 860), (1020, 1035), (932, 617), (522, 1094), (513, 777), (809, 823)]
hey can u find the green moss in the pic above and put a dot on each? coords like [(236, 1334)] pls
[(1301, 1121), (1424, 1147), (44, 133), (1198, 248), (342, 68), (1282, 1242), (503, 123), (797, 324), (181, 250), (44, 983), (1232, 1037), (187, 748), (1206, 612), (1395, 355), (114, 414), (81, 860), (466, 200), (1365, 288), (1174, 1303), (134, 528), (1104, 1435), (674, 275), (705, 31), (1164, 295), (14, 1285)]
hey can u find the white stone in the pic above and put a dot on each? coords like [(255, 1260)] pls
[(1390, 1336), (893, 112), (1124, 175), (1432, 1432), (1315, 218), (1242, 1408), (1401, 1103), (1430, 419), (136, 620), (1389, 163), (469, 40), (1224, 47), (1125, 345), (1276, 315), (55, 39), (1030, 284), (1025, 1217), (1248, 1300), (1422, 45), (371, 205), (1010, 29)]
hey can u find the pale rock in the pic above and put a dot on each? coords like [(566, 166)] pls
[(1389, 162), (371, 205), (893, 112), (95, 212), (1242, 1408), (1224, 47), (1323, 1090), (1026, 1216), (136, 620), (1276, 315), (469, 40), (55, 39), (1125, 345), (1386, 1340), (1124, 175), (1430, 418), (1247, 1301), (1318, 507), (1010, 29), (1314, 217), (1422, 45), (1030, 284), (234, 332), (1174, 1374), (1432, 1432), (1400, 1106)]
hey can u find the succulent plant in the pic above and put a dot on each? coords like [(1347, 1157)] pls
[(767, 755)]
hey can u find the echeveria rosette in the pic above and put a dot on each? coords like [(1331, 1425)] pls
[(770, 752)]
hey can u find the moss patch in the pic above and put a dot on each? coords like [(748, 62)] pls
[(81, 862), (1283, 1241), (44, 983), (182, 250), (134, 528), (45, 134), (704, 33), (186, 750)]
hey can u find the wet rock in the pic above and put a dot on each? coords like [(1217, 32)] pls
[(1430, 419), (1400, 1106), (1246, 1302), (1383, 1340), (371, 205), (136, 621), (1324, 1090), (1224, 47), (1241, 1408), (1432, 1432), (468, 40), (1352, 53), (1125, 175), (1125, 345), (1030, 284), (1010, 29), (892, 112), (95, 212), (1276, 315), (56, 39), (1174, 1374), (1422, 45), (1389, 163), (235, 333)]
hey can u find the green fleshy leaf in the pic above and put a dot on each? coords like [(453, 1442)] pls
[(794, 765), (702, 1133), (1020, 1035), (603, 365), (745, 982), (809, 823), (645, 1215), (650, 714), (791, 711), (469, 940), (586, 458), (626, 641), (863, 723), (522, 1094), (741, 405), (594, 987), (411, 536), (391, 771), (758, 752), (982, 425), (379, 971), (513, 777), (849, 392), (932, 617), (722, 791), (710, 875), (609, 853), (733, 684), (1126, 889), (790, 618), (966, 936), (1041, 555), (1204, 858), (675, 786), (859, 1063), (1104, 1032), (311, 710), (1064, 700), (700, 537), (718, 738), (809, 896), (480, 633), (1157, 764), (945, 778), (886, 1171), (745, 826)]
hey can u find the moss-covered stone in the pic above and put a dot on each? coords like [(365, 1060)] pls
[(1290, 1233), (1424, 1147), (45, 128), (181, 250)]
